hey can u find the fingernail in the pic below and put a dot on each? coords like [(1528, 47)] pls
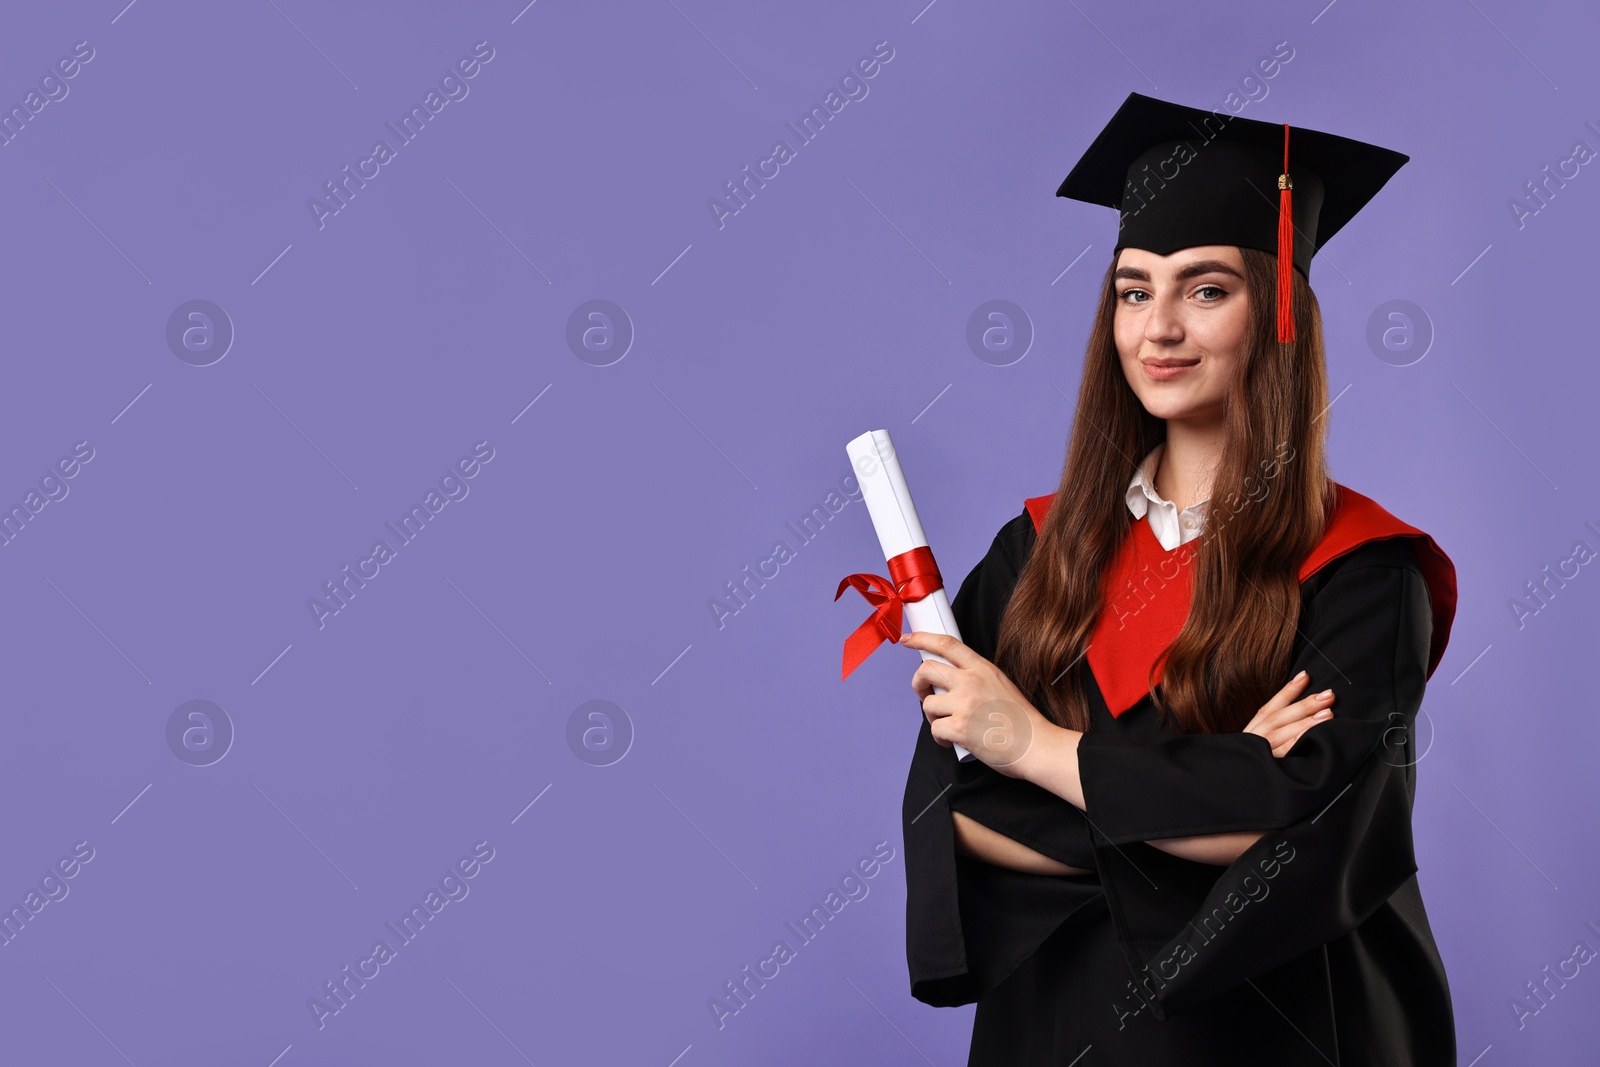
[(1297, 677), (1323, 714), (1325, 693)]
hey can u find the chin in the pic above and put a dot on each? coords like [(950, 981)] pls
[(1168, 403), (1179, 408)]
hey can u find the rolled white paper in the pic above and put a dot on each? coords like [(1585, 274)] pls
[(894, 517)]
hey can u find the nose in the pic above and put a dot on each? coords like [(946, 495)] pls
[(1162, 324)]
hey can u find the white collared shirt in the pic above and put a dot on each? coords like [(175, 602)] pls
[(1171, 526)]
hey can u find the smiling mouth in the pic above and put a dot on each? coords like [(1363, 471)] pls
[(1169, 362)]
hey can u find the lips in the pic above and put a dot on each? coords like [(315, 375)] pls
[(1168, 369)]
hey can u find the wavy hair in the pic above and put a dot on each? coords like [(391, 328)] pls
[(1271, 496)]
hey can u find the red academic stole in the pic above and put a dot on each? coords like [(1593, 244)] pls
[(1148, 588)]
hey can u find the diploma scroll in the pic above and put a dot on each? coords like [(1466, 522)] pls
[(894, 517)]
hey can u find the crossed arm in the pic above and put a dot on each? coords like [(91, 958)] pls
[(1051, 762), (1054, 766), (1373, 608)]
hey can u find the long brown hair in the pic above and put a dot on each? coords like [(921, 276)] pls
[(1270, 500)]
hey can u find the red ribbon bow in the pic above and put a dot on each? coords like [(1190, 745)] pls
[(915, 575)]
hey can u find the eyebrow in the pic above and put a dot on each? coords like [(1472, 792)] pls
[(1195, 269)]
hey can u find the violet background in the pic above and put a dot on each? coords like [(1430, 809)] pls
[(432, 310)]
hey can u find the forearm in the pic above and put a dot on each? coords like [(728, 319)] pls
[(979, 842), (1051, 762), (1218, 849)]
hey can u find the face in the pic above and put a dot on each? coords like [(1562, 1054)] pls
[(1181, 326)]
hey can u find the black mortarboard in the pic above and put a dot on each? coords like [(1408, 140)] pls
[(1183, 176)]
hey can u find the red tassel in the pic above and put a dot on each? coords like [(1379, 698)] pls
[(1285, 247)]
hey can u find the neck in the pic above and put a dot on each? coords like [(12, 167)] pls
[(1187, 461)]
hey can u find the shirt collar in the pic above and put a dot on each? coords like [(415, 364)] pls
[(1142, 488)]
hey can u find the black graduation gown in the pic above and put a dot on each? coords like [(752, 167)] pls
[(1312, 948)]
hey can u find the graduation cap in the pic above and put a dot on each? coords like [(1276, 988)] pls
[(1183, 176)]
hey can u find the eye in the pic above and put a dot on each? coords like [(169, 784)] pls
[(1221, 292), (1126, 293)]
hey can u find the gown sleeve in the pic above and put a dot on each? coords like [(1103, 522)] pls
[(970, 923), (1336, 808)]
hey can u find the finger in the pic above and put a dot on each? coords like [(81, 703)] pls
[(942, 644), (930, 673), (1300, 729), (1274, 711), (1285, 696), (933, 722), (1296, 712), (1270, 718), (1284, 739), (1308, 706)]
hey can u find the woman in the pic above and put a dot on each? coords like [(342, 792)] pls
[(1190, 676)]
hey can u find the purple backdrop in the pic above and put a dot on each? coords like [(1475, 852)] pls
[(242, 346)]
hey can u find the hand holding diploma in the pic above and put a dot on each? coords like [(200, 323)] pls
[(973, 705)]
